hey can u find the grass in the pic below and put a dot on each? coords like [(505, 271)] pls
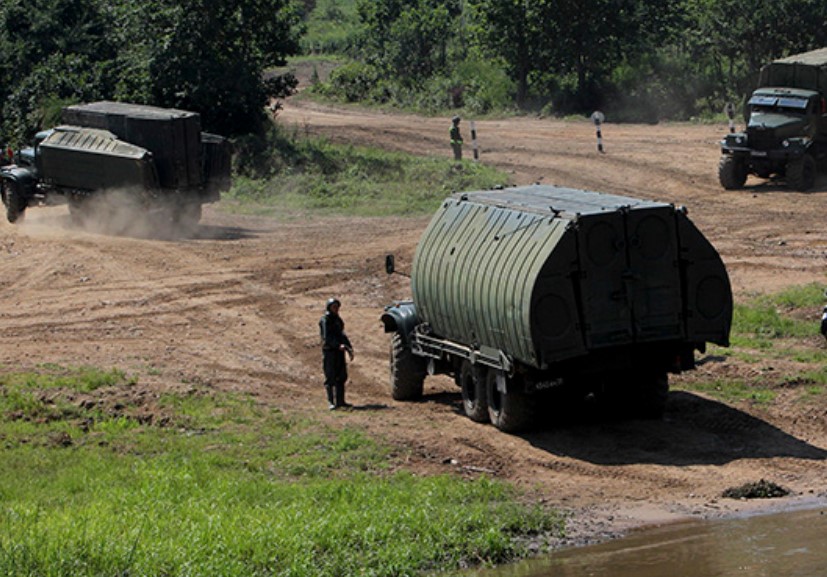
[(222, 486), (312, 176), (781, 328)]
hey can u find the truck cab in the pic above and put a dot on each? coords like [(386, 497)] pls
[(784, 137), (786, 125)]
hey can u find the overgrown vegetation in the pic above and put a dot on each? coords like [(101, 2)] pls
[(637, 60), (769, 329), (206, 56), (284, 174), (222, 486)]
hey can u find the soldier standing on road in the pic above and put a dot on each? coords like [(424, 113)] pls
[(456, 138), (334, 346)]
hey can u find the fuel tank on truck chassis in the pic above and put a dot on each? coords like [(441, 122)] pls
[(172, 136), (548, 275)]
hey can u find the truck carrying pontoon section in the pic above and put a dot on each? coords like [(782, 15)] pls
[(538, 293), (157, 156)]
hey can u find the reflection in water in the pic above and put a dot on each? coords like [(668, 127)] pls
[(784, 545)]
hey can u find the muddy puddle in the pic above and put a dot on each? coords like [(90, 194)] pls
[(792, 544)]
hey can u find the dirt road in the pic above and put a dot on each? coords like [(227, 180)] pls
[(235, 308)]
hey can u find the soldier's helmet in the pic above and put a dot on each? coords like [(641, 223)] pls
[(330, 302)]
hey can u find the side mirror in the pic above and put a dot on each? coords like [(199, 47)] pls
[(390, 264)]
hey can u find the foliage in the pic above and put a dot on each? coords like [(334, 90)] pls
[(203, 56), (231, 489), (637, 60), (331, 25)]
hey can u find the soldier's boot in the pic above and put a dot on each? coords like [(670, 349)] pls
[(340, 396)]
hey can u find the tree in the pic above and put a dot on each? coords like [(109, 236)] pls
[(211, 56), (514, 30), (736, 37), (409, 40), (50, 51)]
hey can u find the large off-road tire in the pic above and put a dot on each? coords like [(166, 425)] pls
[(474, 393), (732, 172), (407, 371), (801, 173), (635, 395), (651, 391), (509, 411), (187, 214), (78, 210), (13, 199)]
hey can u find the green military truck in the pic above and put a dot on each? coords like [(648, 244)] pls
[(540, 296), (786, 132), (157, 157)]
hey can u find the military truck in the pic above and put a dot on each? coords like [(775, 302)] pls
[(786, 132), (158, 158), (537, 298)]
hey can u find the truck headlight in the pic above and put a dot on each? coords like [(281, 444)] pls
[(786, 143)]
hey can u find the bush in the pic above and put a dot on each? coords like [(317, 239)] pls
[(353, 81)]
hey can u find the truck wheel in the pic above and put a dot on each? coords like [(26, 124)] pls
[(78, 210), (407, 371), (654, 392), (801, 173), (732, 172), (13, 199), (509, 411), (188, 214), (474, 393), (647, 395)]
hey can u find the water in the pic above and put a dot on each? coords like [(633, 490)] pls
[(790, 544)]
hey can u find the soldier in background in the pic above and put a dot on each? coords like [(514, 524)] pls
[(456, 138), (335, 345)]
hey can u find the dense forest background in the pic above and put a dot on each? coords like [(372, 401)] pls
[(637, 60)]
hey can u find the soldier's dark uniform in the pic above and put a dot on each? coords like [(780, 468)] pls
[(456, 138), (334, 345)]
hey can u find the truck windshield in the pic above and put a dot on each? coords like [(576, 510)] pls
[(760, 103)]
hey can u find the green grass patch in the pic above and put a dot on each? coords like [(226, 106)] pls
[(779, 321), (776, 327), (284, 174), (224, 486), (777, 316), (732, 391)]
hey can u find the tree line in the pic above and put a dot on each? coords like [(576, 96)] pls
[(639, 60), (204, 55), (635, 59)]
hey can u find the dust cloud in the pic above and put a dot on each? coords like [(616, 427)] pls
[(124, 212)]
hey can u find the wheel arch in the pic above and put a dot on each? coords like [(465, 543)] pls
[(400, 318)]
